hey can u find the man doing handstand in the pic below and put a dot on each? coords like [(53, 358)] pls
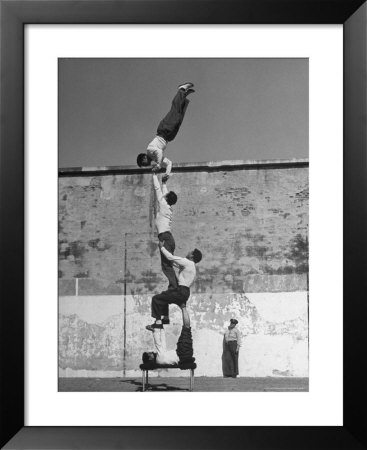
[(166, 132)]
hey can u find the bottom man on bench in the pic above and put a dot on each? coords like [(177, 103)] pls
[(182, 358), (162, 355)]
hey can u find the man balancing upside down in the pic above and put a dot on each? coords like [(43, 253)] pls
[(181, 356), (179, 295), (166, 132), (161, 355)]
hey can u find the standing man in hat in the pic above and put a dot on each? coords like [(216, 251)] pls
[(166, 132), (231, 348)]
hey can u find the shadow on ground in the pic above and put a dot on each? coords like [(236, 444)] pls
[(171, 384), (163, 387)]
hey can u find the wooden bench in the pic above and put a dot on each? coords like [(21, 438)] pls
[(152, 366)]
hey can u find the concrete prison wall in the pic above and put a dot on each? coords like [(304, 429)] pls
[(249, 219)]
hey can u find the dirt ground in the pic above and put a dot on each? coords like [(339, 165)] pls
[(201, 384)]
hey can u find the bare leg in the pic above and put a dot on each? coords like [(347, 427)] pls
[(185, 317)]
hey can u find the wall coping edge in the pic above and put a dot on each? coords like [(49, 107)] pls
[(190, 167)]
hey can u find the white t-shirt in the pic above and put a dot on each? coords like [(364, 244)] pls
[(155, 151), (164, 356), (163, 220)]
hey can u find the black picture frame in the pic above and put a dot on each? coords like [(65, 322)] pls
[(14, 14)]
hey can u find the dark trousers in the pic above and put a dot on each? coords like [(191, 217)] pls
[(169, 126), (160, 302), (230, 359), (167, 266)]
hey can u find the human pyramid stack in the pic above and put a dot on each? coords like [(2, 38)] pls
[(178, 291)]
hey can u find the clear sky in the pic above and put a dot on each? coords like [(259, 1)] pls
[(109, 109)]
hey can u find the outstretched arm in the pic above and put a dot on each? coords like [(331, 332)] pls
[(164, 187), (157, 187), (182, 262), (238, 339), (168, 165)]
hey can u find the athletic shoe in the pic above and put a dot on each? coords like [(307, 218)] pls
[(154, 326), (186, 86), (189, 91)]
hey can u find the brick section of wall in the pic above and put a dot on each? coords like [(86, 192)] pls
[(251, 225)]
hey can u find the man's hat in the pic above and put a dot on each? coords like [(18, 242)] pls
[(234, 321)]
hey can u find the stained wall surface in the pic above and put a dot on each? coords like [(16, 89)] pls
[(251, 223)]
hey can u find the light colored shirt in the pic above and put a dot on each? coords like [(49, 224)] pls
[(187, 268), (163, 219), (164, 356), (233, 335), (155, 151)]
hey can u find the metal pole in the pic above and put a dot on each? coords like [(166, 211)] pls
[(125, 274), (308, 299)]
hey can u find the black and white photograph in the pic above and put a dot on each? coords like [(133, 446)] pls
[(183, 224), (183, 211)]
